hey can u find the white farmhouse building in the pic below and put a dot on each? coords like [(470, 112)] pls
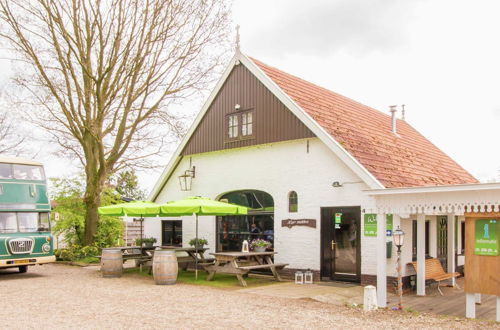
[(291, 150)]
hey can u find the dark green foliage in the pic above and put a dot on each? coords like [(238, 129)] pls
[(127, 185)]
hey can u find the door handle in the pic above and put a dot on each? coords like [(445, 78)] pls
[(333, 245)]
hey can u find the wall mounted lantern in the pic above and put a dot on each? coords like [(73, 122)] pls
[(186, 179)]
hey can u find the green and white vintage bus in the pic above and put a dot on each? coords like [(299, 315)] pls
[(25, 237)]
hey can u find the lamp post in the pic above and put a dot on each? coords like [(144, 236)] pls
[(398, 237)]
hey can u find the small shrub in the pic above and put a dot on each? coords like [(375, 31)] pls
[(201, 241)]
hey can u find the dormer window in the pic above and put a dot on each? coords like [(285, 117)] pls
[(240, 124)]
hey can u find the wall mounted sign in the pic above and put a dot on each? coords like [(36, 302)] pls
[(486, 237), (370, 224), (338, 217), (298, 222)]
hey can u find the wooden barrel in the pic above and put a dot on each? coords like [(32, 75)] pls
[(111, 263), (165, 267)]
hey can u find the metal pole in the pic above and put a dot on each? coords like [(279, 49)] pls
[(196, 251), (400, 282)]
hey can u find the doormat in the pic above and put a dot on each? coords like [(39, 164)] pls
[(337, 284)]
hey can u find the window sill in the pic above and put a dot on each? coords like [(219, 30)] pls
[(238, 139)]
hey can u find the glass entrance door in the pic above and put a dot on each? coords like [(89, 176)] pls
[(340, 243)]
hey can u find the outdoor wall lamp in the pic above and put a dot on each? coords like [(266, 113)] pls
[(186, 179), (399, 237)]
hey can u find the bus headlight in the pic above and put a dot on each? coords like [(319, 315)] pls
[(46, 248)]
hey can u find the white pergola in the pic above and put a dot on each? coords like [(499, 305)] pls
[(418, 202)]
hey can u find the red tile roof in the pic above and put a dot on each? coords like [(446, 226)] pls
[(405, 161)]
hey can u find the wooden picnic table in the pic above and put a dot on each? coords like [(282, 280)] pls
[(190, 255), (140, 253), (241, 263)]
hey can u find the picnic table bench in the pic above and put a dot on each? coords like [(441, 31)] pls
[(241, 263), (434, 271)]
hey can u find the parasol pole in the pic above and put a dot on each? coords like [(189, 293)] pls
[(142, 224), (196, 251)]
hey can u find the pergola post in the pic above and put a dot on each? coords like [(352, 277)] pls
[(420, 254), (381, 261), (451, 245)]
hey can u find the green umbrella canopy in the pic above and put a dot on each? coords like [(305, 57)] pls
[(199, 206), (132, 209)]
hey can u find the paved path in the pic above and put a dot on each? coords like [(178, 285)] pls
[(59, 296)]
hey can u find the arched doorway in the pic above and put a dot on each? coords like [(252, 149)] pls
[(258, 223)]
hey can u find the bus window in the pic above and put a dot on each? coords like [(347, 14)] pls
[(43, 222), (28, 172), (28, 222), (5, 171), (8, 223)]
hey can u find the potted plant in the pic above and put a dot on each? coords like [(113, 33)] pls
[(147, 242), (198, 243), (260, 245)]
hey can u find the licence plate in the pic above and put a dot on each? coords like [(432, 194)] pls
[(16, 262)]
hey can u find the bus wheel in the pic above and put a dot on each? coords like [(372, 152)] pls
[(23, 269)]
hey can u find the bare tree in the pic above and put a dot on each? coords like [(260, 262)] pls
[(102, 75), (11, 139)]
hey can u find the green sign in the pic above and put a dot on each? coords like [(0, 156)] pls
[(338, 217), (486, 237), (370, 224)]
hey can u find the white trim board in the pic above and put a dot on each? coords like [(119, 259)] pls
[(303, 116)]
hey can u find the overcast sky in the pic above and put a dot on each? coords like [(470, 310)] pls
[(440, 58)]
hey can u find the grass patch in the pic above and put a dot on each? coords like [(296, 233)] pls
[(88, 260), (220, 281)]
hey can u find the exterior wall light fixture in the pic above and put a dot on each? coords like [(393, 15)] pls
[(336, 184), (186, 179)]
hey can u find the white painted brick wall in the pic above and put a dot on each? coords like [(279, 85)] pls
[(276, 169)]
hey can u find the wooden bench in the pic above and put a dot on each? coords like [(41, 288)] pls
[(434, 271), (264, 266)]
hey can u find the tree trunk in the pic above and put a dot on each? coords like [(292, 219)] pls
[(91, 219), (95, 178)]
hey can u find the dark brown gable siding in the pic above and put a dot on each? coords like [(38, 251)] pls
[(273, 122)]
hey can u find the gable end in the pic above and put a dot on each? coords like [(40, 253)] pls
[(272, 121)]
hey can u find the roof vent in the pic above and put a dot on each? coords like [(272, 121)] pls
[(393, 118)]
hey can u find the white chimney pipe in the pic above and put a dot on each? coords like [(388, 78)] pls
[(393, 117)]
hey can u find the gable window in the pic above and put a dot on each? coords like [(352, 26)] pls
[(240, 124), (246, 123), (293, 203), (233, 126)]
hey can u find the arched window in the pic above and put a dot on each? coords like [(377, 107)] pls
[(293, 202)]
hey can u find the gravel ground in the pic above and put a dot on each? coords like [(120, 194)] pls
[(61, 296)]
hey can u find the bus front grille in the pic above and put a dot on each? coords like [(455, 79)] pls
[(21, 245)]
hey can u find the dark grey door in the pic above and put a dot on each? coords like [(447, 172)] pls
[(340, 243)]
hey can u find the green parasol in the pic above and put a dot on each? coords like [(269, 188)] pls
[(199, 206), (132, 209)]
